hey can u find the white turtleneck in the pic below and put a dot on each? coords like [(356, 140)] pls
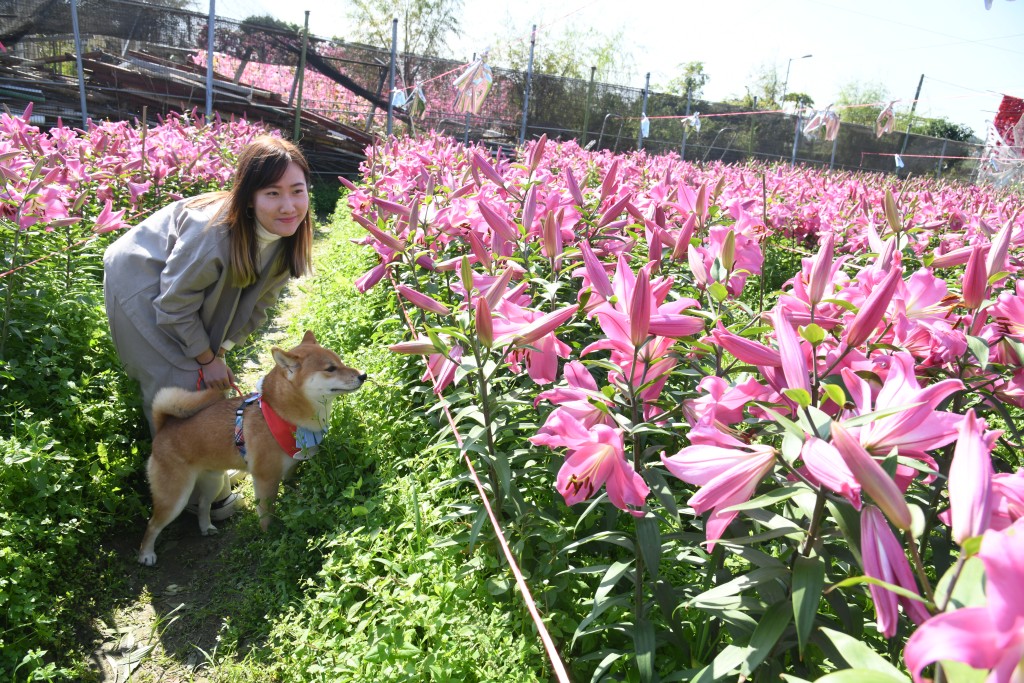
[(265, 239)]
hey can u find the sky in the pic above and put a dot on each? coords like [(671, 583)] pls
[(969, 55)]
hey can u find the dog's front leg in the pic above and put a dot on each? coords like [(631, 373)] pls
[(265, 489)]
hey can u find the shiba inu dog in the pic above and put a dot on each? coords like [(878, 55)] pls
[(200, 434)]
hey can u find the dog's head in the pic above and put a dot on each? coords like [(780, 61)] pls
[(317, 372)]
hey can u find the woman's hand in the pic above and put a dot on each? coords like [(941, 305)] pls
[(217, 374)]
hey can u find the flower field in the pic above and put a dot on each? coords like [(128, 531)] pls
[(755, 421), (752, 422)]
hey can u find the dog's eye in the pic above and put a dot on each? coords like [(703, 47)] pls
[(330, 368)]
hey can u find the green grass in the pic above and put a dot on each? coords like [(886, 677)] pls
[(365, 579)]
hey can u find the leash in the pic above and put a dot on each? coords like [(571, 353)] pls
[(202, 380), (524, 589)]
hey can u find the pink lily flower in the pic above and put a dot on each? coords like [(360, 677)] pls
[(580, 399), (825, 466), (986, 637), (794, 362), (1007, 499), (970, 480), (821, 270), (109, 220), (747, 350), (597, 458), (441, 369), (723, 404), (918, 428), (727, 470), (484, 323), (884, 559)]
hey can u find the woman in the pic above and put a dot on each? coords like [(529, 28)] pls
[(196, 278)]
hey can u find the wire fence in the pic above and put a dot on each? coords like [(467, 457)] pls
[(348, 83)]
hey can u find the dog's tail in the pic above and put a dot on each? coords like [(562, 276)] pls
[(181, 403)]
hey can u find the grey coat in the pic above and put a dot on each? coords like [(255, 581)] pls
[(170, 277)]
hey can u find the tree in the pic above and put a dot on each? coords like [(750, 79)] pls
[(423, 25), (943, 128), (801, 99), (692, 80), (765, 87), (569, 55), (874, 95)]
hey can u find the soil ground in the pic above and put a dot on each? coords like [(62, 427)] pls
[(164, 626), (166, 620)]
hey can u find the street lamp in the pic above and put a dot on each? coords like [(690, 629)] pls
[(785, 84)]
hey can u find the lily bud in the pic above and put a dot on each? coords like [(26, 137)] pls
[(872, 478), (970, 481), (484, 324), (975, 280), (640, 308), (873, 309), (421, 300), (683, 238), (728, 254), (821, 269)]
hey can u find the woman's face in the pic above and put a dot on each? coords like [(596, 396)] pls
[(281, 207)]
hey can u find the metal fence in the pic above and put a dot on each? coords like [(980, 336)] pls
[(348, 83)]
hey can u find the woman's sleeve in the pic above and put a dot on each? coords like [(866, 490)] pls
[(194, 266), (259, 311)]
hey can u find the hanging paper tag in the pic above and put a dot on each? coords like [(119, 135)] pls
[(899, 161), (398, 98), (645, 126)]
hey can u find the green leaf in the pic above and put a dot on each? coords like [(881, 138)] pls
[(740, 584), (867, 418), (969, 590), (769, 629), (648, 537), (770, 498), (801, 397), (861, 657), (643, 642), (718, 291), (859, 676), (898, 590), (958, 672), (812, 333), (808, 582), (979, 349), (836, 393)]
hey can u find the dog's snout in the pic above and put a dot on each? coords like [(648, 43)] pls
[(362, 378)]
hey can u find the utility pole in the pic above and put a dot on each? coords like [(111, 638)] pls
[(643, 113), (301, 74), (529, 80), (391, 75), (910, 121)]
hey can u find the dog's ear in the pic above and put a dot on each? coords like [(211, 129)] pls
[(286, 361), (308, 338)]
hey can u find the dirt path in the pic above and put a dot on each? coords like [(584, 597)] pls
[(164, 622), (167, 617)]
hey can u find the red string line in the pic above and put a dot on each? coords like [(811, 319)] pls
[(531, 605), (46, 256), (932, 156)]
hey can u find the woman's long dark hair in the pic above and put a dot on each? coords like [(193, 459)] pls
[(263, 162)]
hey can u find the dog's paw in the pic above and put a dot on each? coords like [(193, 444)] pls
[(209, 531), (147, 559)]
